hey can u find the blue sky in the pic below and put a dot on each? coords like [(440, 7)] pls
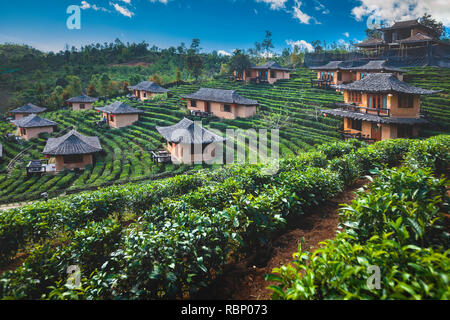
[(220, 24)]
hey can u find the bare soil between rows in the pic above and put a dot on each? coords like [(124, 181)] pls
[(245, 280)]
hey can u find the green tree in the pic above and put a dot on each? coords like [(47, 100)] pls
[(267, 44), (194, 64), (373, 34), (437, 26), (239, 62)]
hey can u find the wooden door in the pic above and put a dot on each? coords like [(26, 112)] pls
[(376, 132)]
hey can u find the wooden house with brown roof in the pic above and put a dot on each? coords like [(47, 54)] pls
[(269, 72), (380, 107), (333, 73), (32, 125), (226, 104), (72, 150), (146, 90), (401, 35), (190, 143), (26, 110), (340, 72), (82, 102), (119, 114)]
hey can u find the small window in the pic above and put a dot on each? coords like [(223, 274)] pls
[(339, 74), (273, 74), (405, 101), (355, 124), (193, 104), (82, 106), (404, 131), (145, 95), (226, 108), (23, 131), (73, 158)]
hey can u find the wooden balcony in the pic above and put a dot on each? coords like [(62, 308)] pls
[(365, 110), (346, 134), (321, 83)]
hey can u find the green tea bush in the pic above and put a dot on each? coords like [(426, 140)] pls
[(433, 153), (397, 226), (341, 270)]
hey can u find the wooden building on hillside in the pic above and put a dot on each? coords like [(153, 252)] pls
[(332, 73), (72, 150), (380, 107), (119, 114), (32, 125), (146, 90), (375, 66), (226, 104), (82, 102), (401, 35), (189, 143), (340, 72), (26, 110), (269, 72)]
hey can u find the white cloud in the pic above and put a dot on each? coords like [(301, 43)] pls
[(86, 5), (396, 10), (223, 53), (275, 4), (162, 1), (321, 7), (300, 15), (301, 44), (346, 34), (122, 10)]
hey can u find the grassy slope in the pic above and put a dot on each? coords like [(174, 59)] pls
[(126, 156)]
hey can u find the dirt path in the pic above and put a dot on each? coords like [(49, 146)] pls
[(245, 281)]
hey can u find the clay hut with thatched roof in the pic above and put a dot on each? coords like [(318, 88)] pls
[(26, 110), (72, 150), (146, 90), (189, 143), (225, 104), (82, 102), (32, 125), (270, 72), (119, 114)]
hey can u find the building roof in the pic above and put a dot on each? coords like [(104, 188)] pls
[(33, 121), (219, 95), (28, 108), (332, 65), (383, 82), (186, 131), (271, 65), (375, 65), (405, 24), (119, 108), (339, 112), (418, 37), (82, 99), (370, 42), (149, 87), (72, 143)]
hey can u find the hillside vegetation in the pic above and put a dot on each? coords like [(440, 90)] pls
[(127, 158), (167, 240)]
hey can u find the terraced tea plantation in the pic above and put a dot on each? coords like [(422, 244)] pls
[(436, 107), (126, 156)]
